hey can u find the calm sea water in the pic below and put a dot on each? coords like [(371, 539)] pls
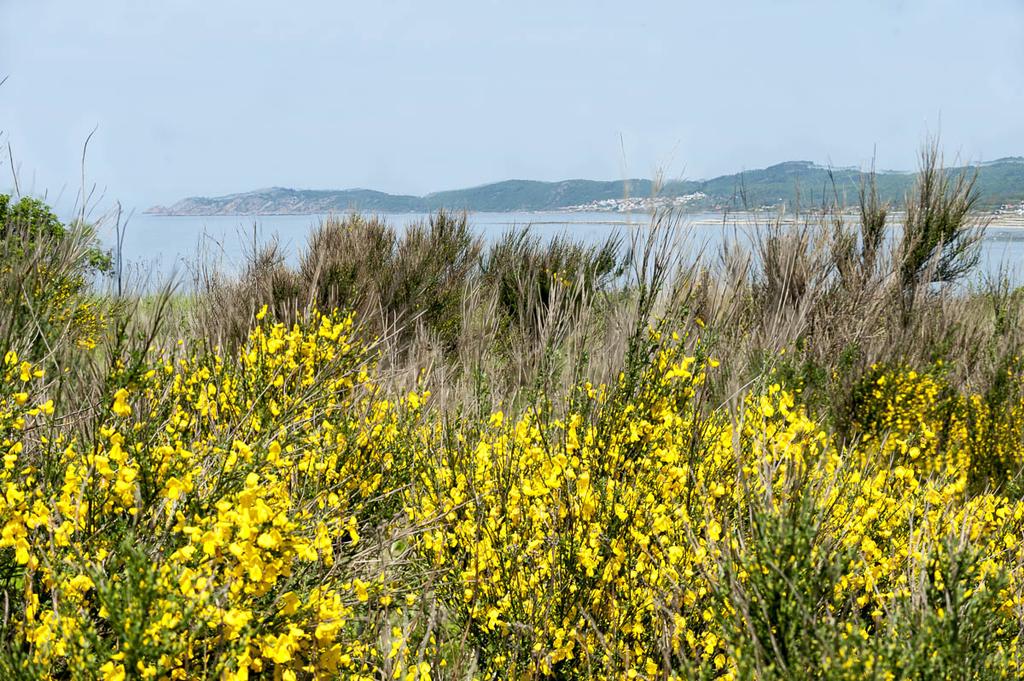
[(158, 247)]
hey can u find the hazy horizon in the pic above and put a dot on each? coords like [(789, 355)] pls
[(199, 99)]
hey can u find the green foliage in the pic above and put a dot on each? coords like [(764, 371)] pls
[(45, 272), (776, 591), (533, 280), (952, 630), (29, 215), (416, 278), (940, 241), (396, 283), (434, 263), (30, 220)]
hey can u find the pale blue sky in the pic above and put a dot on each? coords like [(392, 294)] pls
[(213, 96)]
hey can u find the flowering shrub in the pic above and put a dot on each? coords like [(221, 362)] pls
[(45, 269), (919, 419), (276, 513), (638, 537), (564, 541), (211, 520)]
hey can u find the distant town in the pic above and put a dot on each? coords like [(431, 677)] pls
[(637, 203), (1011, 209)]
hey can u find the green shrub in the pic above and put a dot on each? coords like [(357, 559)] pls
[(45, 273), (533, 280)]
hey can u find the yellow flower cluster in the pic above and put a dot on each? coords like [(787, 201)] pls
[(924, 423), (630, 539), (563, 540), (213, 524), (58, 298)]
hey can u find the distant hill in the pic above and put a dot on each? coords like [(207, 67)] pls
[(807, 184), (792, 183), (513, 195), (278, 200)]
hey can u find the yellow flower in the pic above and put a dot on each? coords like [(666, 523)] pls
[(112, 671), (121, 407)]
